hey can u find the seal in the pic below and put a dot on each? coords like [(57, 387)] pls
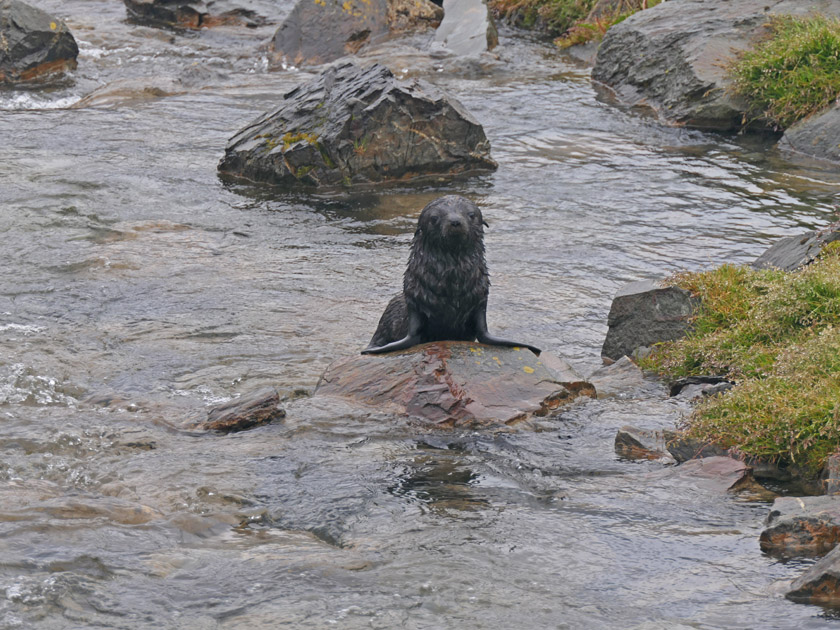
[(446, 283)]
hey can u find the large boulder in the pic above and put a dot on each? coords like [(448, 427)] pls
[(33, 44), (326, 30), (357, 125), (675, 57), (802, 526), (794, 252), (200, 13), (817, 136), (645, 313), (454, 384), (467, 29)]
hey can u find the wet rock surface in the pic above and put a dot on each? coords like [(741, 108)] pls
[(355, 125), (621, 378), (246, 412), (199, 13), (644, 313), (634, 443), (794, 252), (817, 136), (674, 57), (320, 32), (453, 384), (714, 474), (467, 29), (34, 45), (820, 584), (802, 526)]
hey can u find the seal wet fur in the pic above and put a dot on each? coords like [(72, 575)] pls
[(446, 283)]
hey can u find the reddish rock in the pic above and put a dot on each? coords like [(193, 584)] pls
[(453, 384), (719, 474), (802, 526), (245, 412)]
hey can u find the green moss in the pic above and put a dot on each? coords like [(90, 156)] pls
[(594, 30), (794, 73), (777, 334)]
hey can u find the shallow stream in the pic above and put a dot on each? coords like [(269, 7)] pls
[(139, 290)]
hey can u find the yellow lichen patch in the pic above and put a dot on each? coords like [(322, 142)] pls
[(528, 370), (289, 138), (53, 26), (322, 3)]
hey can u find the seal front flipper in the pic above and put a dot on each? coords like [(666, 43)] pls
[(415, 325), (481, 334)]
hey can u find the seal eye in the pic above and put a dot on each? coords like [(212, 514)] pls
[(472, 215)]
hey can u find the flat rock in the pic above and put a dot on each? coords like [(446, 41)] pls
[(467, 29), (645, 313), (717, 474), (622, 378), (193, 14), (674, 57), (794, 252), (325, 30), (802, 526), (820, 584), (453, 384), (34, 45), (355, 125), (246, 412)]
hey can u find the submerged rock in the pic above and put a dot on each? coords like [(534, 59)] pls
[(196, 13), (326, 30), (634, 443), (246, 412), (355, 125), (645, 313), (622, 378), (716, 474), (802, 526), (820, 584), (33, 43), (453, 384), (467, 29), (675, 57), (794, 252)]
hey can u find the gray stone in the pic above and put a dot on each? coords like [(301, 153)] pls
[(34, 45), (794, 252), (645, 313), (831, 475), (620, 378), (325, 30), (817, 136), (716, 474), (193, 14), (356, 125), (820, 584), (452, 384), (675, 56), (467, 29), (802, 526)]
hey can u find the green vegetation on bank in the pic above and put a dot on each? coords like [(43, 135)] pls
[(777, 334), (794, 73), (554, 16)]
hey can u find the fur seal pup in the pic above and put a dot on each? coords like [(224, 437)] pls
[(446, 283)]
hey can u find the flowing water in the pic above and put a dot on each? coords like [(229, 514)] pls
[(139, 290)]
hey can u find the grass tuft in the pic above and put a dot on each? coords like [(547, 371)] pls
[(794, 73), (777, 334)]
